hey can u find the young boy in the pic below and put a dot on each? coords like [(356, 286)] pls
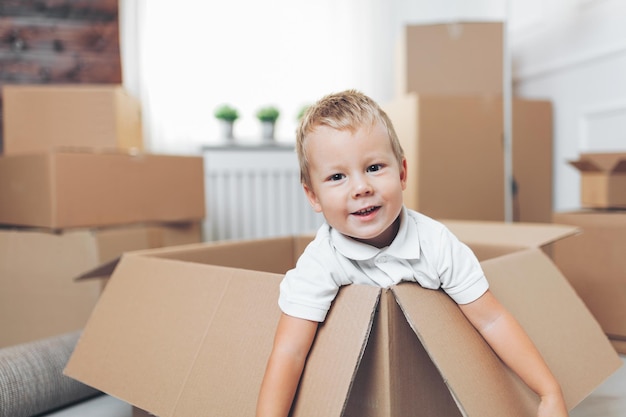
[(353, 171)]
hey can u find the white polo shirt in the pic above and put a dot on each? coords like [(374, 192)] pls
[(424, 251)]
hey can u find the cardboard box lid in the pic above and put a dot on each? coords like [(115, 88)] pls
[(601, 162), (569, 338), (597, 256), (518, 234), (180, 338), (533, 289)]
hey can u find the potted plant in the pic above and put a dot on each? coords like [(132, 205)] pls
[(302, 111), (267, 116), (227, 115)]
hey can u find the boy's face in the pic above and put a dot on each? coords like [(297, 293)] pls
[(356, 182)]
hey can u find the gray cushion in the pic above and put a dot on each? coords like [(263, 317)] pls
[(32, 380)]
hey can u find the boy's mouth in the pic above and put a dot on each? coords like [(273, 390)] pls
[(366, 211)]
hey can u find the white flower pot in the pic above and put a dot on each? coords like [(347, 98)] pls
[(267, 130), (227, 129)]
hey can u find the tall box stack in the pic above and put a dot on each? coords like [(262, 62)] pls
[(77, 190), (594, 261), (449, 115)]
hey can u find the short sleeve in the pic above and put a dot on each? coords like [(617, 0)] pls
[(461, 275), (308, 290)]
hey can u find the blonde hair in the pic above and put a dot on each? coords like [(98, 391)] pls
[(346, 110)]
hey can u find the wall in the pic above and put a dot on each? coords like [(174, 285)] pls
[(574, 53), (59, 41)]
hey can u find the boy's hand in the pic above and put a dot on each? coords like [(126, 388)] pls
[(552, 406), (511, 343)]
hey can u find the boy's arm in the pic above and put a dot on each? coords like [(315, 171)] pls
[(292, 343), (511, 343)]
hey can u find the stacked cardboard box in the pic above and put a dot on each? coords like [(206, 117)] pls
[(202, 349), (76, 190), (449, 114), (595, 261), (39, 117)]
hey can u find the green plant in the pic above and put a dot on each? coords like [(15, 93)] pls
[(267, 114), (302, 110), (226, 112)]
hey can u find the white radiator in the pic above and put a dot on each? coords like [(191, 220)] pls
[(255, 192)]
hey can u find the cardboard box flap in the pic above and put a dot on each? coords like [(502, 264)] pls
[(145, 353), (164, 329), (470, 368), (601, 162), (329, 370), (336, 353), (570, 339), (533, 289), (101, 271), (518, 234)]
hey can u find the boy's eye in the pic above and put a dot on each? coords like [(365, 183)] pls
[(336, 177), (374, 168)]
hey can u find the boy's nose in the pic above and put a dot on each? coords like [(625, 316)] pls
[(361, 188)]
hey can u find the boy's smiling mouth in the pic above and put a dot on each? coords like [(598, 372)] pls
[(366, 211)]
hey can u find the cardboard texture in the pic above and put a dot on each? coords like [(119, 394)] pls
[(176, 336), (595, 265), (619, 345), (455, 156), (461, 58), (38, 297), (46, 117), (87, 189), (603, 180)]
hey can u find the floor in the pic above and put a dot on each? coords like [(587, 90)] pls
[(608, 400)]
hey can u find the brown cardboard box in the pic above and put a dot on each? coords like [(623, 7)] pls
[(38, 296), (594, 262), (461, 58), (177, 336), (45, 117), (87, 189), (603, 180), (455, 156)]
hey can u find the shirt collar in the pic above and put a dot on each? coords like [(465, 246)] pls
[(404, 246)]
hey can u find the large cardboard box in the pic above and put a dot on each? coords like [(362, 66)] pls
[(594, 262), (455, 155), (38, 296), (177, 335), (460, 58), (603, 179), (44, 117), (89, 189)]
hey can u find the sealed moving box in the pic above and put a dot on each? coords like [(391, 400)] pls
[(176, 335), (455, 156), (44, 117), (64, 189), (594, 262), (603, 180), (461, 58), (38, 296)]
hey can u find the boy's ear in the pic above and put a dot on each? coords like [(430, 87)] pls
[(313, 200), (403, 174)]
